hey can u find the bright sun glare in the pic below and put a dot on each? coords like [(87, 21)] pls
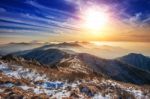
[(95, 19)]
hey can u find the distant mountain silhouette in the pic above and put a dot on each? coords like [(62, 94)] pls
[(15, 47), (137, 60), (61, 45)]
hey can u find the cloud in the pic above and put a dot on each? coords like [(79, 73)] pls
[(2, 10), (135, 20), (27, 21), (146, 21), (54, 17), (23, 32), (49, 9)]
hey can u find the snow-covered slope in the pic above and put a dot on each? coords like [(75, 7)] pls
[(17, 82), (137, 60)]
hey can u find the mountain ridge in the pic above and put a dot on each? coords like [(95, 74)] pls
[(83, 62), (137, 60)]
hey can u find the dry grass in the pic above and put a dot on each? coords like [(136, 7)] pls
[(18, 93), (55, 73), (5, 79)]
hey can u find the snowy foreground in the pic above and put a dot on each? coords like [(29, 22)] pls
[(26, 83)]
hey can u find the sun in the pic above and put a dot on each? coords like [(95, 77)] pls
[(95, 19)]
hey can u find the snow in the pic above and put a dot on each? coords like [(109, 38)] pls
[(58, 89), (55, 84), (20, 72), (55, 93), (76, 65), (137, 93), (99, 96), (25, 87), (4, 68), (38, 90), (7, 84), (61, 94), (55, 88), (1, 90)]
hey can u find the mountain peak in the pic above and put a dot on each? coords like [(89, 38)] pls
[(135, 54), (137, 60)]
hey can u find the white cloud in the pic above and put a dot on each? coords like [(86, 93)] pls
[(2, 10), (136, 17)]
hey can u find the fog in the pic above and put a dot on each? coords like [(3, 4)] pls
[(108, 50)]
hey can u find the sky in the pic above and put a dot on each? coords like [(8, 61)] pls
[(64, 20)]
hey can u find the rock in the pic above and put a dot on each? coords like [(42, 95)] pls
[(89, 90)]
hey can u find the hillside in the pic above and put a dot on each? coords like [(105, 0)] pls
[(86, 63), (137, 60)]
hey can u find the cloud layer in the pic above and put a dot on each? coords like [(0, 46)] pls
[(46, 18)]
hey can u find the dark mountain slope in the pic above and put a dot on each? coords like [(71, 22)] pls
[(86, 63), (137, 60), (116, 69), (46, 57)]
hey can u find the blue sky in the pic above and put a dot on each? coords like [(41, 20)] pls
[(39, 19)]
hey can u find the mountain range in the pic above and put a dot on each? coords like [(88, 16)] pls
[(132, 68), (57, 71)]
